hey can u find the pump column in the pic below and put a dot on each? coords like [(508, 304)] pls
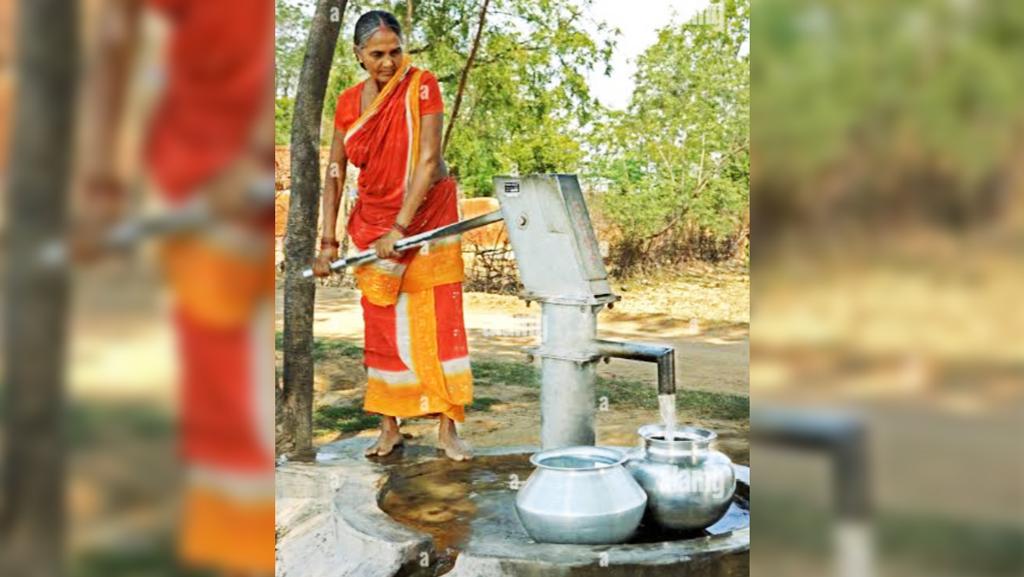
[(568, 374)]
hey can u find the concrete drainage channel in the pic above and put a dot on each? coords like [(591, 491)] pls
[(460, 522)]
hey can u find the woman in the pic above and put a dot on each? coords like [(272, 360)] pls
[(205, 142), (389, 126)]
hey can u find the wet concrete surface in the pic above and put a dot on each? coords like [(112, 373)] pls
[(458, 519), (467, 504)]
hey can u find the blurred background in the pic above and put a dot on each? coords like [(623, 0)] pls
[(888, 205), (130, 111)]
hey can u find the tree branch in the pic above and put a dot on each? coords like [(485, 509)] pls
[(465, 74), (701, 183), (408, 18)]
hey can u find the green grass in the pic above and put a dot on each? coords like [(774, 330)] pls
[(326, 348), (90, 423), (343, 419), (620, 391), (714, 405), (971, 547), (644, 395), (941, 544), (351, 419), (160, 560), (486, 373), (483, 403)]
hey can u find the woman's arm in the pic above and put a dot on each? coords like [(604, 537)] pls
[(422, 179), (334, 185), (426, 168), (100, 177)]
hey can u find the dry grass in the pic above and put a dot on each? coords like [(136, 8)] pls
[(715, 294)]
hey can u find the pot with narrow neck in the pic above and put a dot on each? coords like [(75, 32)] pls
[(688, 484)]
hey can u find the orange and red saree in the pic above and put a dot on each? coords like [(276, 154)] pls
[(220, 60), (416, 358)]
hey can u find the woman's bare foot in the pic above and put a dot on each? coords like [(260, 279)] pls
[(448, 440), (390, 437)]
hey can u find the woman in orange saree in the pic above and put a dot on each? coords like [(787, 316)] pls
[(389, 126)]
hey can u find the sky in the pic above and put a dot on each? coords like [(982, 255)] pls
[(638, 21)]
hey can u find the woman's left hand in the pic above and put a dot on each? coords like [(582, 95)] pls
[(385, 245)]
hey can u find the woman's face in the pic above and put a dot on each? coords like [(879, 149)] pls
[(382, 55)]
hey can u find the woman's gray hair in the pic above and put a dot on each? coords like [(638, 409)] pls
[(371, 21)]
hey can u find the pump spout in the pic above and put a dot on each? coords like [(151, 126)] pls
[(664, 356)]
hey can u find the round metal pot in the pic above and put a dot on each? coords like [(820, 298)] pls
[(580, 495), (689, 485)]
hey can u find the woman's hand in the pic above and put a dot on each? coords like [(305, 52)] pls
[(104, 205), (385, 245), (322, 266)]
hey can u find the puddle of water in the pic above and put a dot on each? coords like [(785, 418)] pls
[(457, 503), (454, 502)]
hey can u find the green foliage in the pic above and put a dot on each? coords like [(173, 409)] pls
[(526, 96), (878, 107), (291, 27), (283, 107), (676, 163), (677, 160), (344, 73)]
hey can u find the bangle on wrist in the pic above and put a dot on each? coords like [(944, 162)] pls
[(400, 228), (326, 243)]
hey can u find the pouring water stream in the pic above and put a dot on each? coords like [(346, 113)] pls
[(667, 410)]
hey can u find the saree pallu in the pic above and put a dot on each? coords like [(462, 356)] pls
[(416, 356)]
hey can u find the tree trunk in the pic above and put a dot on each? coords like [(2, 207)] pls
[(32, 519), (465, 74), (299, 293)]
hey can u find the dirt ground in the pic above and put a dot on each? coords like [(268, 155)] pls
[(704, 315)]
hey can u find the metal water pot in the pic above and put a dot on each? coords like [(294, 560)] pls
[(580, 495), (689, 485)]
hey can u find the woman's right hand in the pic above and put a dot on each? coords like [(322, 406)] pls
[(322, 265), (104, 205)]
